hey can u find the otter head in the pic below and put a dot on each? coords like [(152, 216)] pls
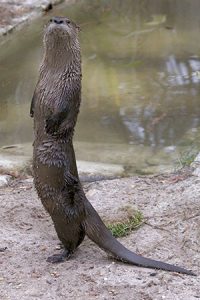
[(61, 33)]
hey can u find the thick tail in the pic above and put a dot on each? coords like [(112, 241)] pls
[(98, 233)]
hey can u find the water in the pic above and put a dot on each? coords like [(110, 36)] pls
[(141, 74)]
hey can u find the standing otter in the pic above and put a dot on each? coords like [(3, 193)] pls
[(55, 106)]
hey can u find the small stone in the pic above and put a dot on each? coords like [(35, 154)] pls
[(48, 281), (152, 274), (4, 180), (2, 249), (43, 248), (55, 274), (28, 180)]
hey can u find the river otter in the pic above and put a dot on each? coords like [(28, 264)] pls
[(55, 106)]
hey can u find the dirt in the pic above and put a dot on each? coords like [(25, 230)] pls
[(171, 232)]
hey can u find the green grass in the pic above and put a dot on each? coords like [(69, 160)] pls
[(187, 157), (120, 229)]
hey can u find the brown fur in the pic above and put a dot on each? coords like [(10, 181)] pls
[(55, 106)]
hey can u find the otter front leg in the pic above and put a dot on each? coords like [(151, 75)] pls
[(66, 111), (32, 106), (53, 122)]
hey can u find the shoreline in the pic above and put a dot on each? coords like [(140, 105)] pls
[(14, 15)]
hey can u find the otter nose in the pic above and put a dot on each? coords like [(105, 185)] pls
[(57, 20)]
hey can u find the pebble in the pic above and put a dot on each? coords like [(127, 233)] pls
[(4, 180)]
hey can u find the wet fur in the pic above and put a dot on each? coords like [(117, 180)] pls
[(55, 106)]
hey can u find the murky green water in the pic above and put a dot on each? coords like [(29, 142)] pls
[(141, 75)]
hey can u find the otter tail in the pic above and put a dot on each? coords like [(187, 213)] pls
[(98, 233)]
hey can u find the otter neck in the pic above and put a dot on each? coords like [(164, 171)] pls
[(62, 58)]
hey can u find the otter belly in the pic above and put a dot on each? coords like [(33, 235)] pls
[(56, 180)]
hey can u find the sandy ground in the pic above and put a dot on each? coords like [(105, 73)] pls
[(171, 233)]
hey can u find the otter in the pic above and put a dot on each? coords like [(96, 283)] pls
[(55, 107)]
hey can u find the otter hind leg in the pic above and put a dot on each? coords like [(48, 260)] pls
[(60, 257), (70, 234), (81, 235)]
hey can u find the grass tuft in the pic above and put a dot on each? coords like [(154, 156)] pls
[(187, 157), (120, 229)]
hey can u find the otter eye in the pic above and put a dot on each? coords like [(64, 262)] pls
[(67, 21)]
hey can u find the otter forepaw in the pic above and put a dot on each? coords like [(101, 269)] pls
[(58, 258), (52, 125)]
